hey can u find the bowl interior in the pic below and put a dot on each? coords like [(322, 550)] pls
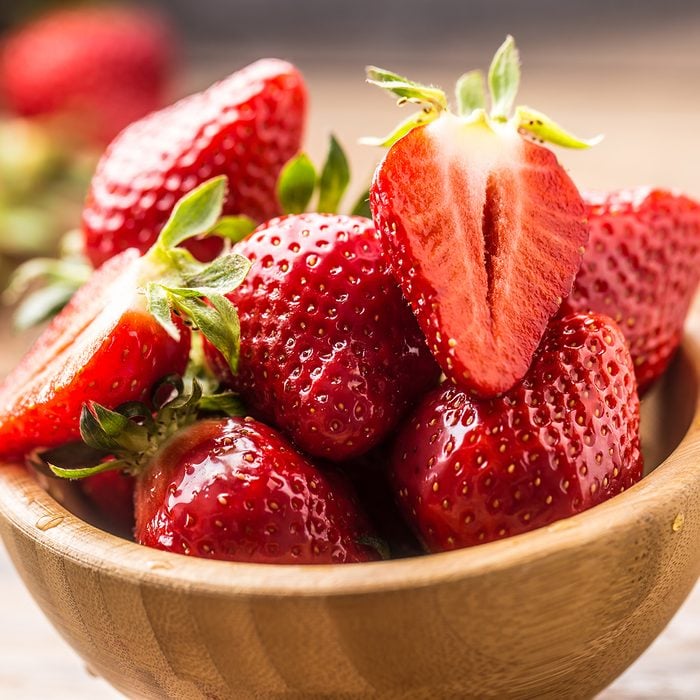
[(667, 412)]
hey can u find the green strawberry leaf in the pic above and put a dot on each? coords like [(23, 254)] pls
[(84, 472), (234, 228), (220, 277), (504, 79), (406, 89), (334, 179), (61, 277), (424, 116), (68, 272), (470, 93), (181, 262), (296, 184), (195, 214), (545, 129), (227, 402), (133, 432), (103, 429), (362, 207), (217, 321), (378, 544), (158, 305), (72, 455), (41, 305)]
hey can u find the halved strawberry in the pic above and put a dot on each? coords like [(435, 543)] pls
[(483, 230), (104, 343), (118, 335)]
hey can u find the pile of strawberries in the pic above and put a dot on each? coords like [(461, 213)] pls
[(460, 365)]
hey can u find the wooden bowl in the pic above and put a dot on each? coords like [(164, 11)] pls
[(558, 612)]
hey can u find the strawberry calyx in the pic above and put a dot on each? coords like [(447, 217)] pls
[(41, 287), (471, 96), (127, 438), (173, 281), (299, 181)]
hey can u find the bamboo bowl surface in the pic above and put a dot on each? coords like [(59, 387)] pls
[(555, 613)]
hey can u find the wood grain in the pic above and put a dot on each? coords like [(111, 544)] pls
[(559, 612)]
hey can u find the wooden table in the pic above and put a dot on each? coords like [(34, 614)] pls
[(641, 89)]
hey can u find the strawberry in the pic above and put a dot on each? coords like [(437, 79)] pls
[(330, 352), (470, 470), (224, 488), (245, 127), (118, 336), (112, 496), (95, 69), (235, 489), (483, 229), (641, 267)]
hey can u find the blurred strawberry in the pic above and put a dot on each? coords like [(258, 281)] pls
[(246, 127), (42, 187), (112, 494), (94, 69)]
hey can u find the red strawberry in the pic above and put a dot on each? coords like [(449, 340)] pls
[(330, 353), (97, 68), (483, 230), (641, 267), (106, 346), (103, 345), (112, 495), (566, 438), (235, 489), (245, 127)]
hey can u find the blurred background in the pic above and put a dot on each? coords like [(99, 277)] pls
[(629, 69)]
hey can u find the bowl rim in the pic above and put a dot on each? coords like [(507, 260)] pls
[(23, 502)]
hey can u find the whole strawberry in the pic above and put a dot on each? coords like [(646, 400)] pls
[(222, 488), (330, 352), (235, 489), (483, 229), (244, 127), (119, 333), (641, 267), (111, 494), (566, 438), (95, 69)]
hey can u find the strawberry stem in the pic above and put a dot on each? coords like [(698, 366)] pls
[(127, 438), (503, 82), (175, 282)]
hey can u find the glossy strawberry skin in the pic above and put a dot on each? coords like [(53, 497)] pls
[(234, 489), (330, 352), (484, 235), (641, 267), (245, 127), (103, 346), (97, 68), (565, 439)]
